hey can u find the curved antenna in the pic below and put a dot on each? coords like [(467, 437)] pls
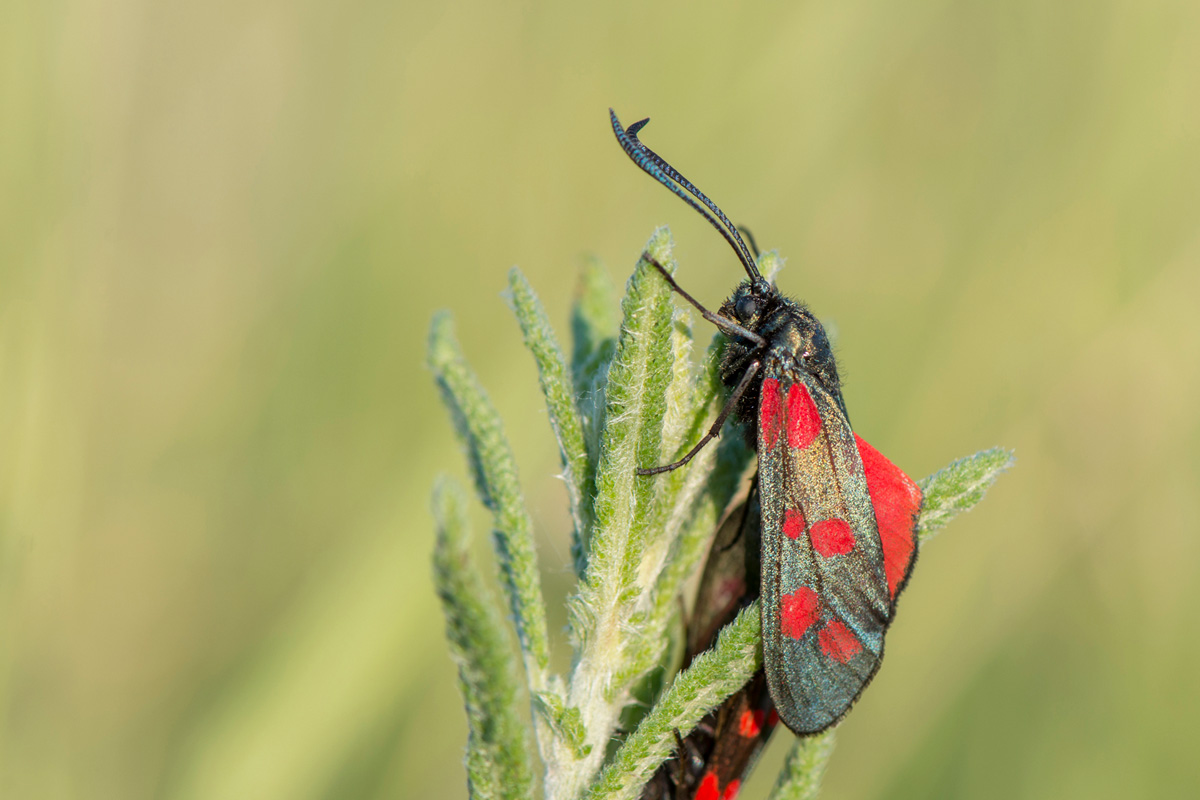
[(675, 175), (750, 238), (654, 166)]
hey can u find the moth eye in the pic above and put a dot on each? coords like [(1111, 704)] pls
[(746, 307)]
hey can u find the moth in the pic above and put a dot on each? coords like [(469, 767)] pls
[(838, 519)]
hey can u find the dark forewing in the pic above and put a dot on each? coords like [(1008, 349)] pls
[(825, 593)]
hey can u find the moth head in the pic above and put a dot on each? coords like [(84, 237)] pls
[(750, 301)]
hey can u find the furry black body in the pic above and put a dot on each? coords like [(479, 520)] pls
[(791, 333)]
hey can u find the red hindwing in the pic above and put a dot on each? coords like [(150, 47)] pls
[(896, 499)]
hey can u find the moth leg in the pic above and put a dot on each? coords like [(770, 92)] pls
[(715, 430), (727, 325), (680, 761)]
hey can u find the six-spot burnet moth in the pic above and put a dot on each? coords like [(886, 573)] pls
[(838, 519), (712, 761)]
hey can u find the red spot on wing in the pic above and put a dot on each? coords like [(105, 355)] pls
[(772, 718), (770, 406), (709, 789), (897, 502), (838, 642), (794, 523), (803, 421), (750, 723), (832, 537), (732, 789), (798, 612)]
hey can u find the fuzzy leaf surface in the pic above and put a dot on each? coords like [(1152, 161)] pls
[(498, 756), (559, 390), (957, 488), (495, 472)]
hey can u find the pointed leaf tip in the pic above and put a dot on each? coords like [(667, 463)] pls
[(959, 487)]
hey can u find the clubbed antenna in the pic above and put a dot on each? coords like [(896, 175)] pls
[(655, 166)]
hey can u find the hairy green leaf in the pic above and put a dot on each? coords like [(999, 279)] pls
[(713, 676), (495, 473), (959, 487), (801, 776), (603, 611), (560, 401), (498, 755), (594, 322)]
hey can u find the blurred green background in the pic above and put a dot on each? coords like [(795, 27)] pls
[(224, 227)]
